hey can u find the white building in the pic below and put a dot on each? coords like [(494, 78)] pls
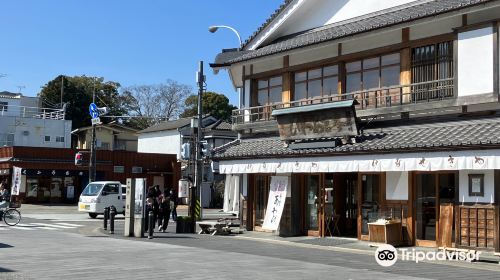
[(24, 123)]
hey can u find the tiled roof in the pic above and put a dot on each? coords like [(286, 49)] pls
[(385, 18), (481, 133), (221, 125), (168, 125)]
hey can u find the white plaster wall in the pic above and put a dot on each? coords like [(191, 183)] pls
[(314, 54), (484, 15), (31, 132), (354, 8), (246, 101), (11, 111), (244, 185), (371, 42), (489, 187), (267, 64), (435, 27), (475, 62), (396, 186), (161, 142), (304, 15), (29, 101)]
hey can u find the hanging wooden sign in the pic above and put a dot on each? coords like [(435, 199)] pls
[(317, 121)]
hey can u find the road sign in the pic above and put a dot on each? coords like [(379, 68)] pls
[(94, 111), (96, 121)]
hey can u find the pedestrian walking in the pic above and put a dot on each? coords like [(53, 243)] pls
[(175, 201), (149, 208), (165, 206), (4, 195)]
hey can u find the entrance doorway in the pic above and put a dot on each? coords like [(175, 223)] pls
[(370, 201), (341, 205), (312, 204), (435, 196)]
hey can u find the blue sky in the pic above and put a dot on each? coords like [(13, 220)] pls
[(130, 42)]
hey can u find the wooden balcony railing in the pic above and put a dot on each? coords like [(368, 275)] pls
[(367, 99)]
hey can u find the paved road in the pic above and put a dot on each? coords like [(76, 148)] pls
[(85, 252)]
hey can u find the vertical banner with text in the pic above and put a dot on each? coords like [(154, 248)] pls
[(275, 202), (16, 180)]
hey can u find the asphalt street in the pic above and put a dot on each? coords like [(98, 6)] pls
[(73, 246)]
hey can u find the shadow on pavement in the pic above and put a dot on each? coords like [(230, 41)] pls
[(2, 245), (5, 270)]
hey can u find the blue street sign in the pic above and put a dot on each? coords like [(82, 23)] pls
[(94, 112)]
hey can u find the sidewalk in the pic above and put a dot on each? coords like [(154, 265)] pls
[(339, 244)]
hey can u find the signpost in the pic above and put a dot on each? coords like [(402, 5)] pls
[(94, 114)]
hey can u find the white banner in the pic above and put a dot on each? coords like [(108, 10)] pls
[(435, 161), (16, 180), (275, 202)]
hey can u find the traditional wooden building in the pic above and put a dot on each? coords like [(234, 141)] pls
[(373, 110), (49, 175)]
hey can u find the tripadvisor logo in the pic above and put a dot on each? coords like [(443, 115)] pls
[(386, 255)]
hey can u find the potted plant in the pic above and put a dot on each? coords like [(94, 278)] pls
[(184, 224)]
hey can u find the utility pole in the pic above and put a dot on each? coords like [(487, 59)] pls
[(196, 190), (199, 160), (62, 90), (92, 162)]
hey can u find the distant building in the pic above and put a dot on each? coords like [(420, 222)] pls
[(168, 137), (24, 123), (112, 137)]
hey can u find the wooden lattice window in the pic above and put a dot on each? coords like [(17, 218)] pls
[(477, 227), (432, 63)]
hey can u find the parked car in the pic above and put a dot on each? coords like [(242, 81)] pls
[(100, 194)]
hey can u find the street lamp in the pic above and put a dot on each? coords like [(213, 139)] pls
[(214, 28)]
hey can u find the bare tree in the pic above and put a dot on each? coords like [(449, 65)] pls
[(155, 102)]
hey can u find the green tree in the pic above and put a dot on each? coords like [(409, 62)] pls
[(77, 94), (215, 104)]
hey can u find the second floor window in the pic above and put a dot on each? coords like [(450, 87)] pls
[(269, 91), (3, 106), (432, 71), (59, 138), (375, 72), (316, 83)]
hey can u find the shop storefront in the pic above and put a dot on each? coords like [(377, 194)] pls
[(50, 176), (436, 198)]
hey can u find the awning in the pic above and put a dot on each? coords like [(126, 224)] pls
[(452, 160)]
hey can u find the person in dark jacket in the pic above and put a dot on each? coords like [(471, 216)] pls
[(165, 207), (154, 193), (175, 201), (5, 195)]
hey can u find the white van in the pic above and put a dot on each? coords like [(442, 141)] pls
[(100, 194)]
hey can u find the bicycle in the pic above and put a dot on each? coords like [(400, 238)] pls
[(10, 216)]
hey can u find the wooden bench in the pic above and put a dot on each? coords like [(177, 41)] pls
[(213, 228)]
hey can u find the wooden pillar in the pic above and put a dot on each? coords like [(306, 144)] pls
[(286, 94), (405, 61), (496, 184), (341, 69)]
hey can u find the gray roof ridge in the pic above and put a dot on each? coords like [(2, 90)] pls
[(227, 145), (455, 123)]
